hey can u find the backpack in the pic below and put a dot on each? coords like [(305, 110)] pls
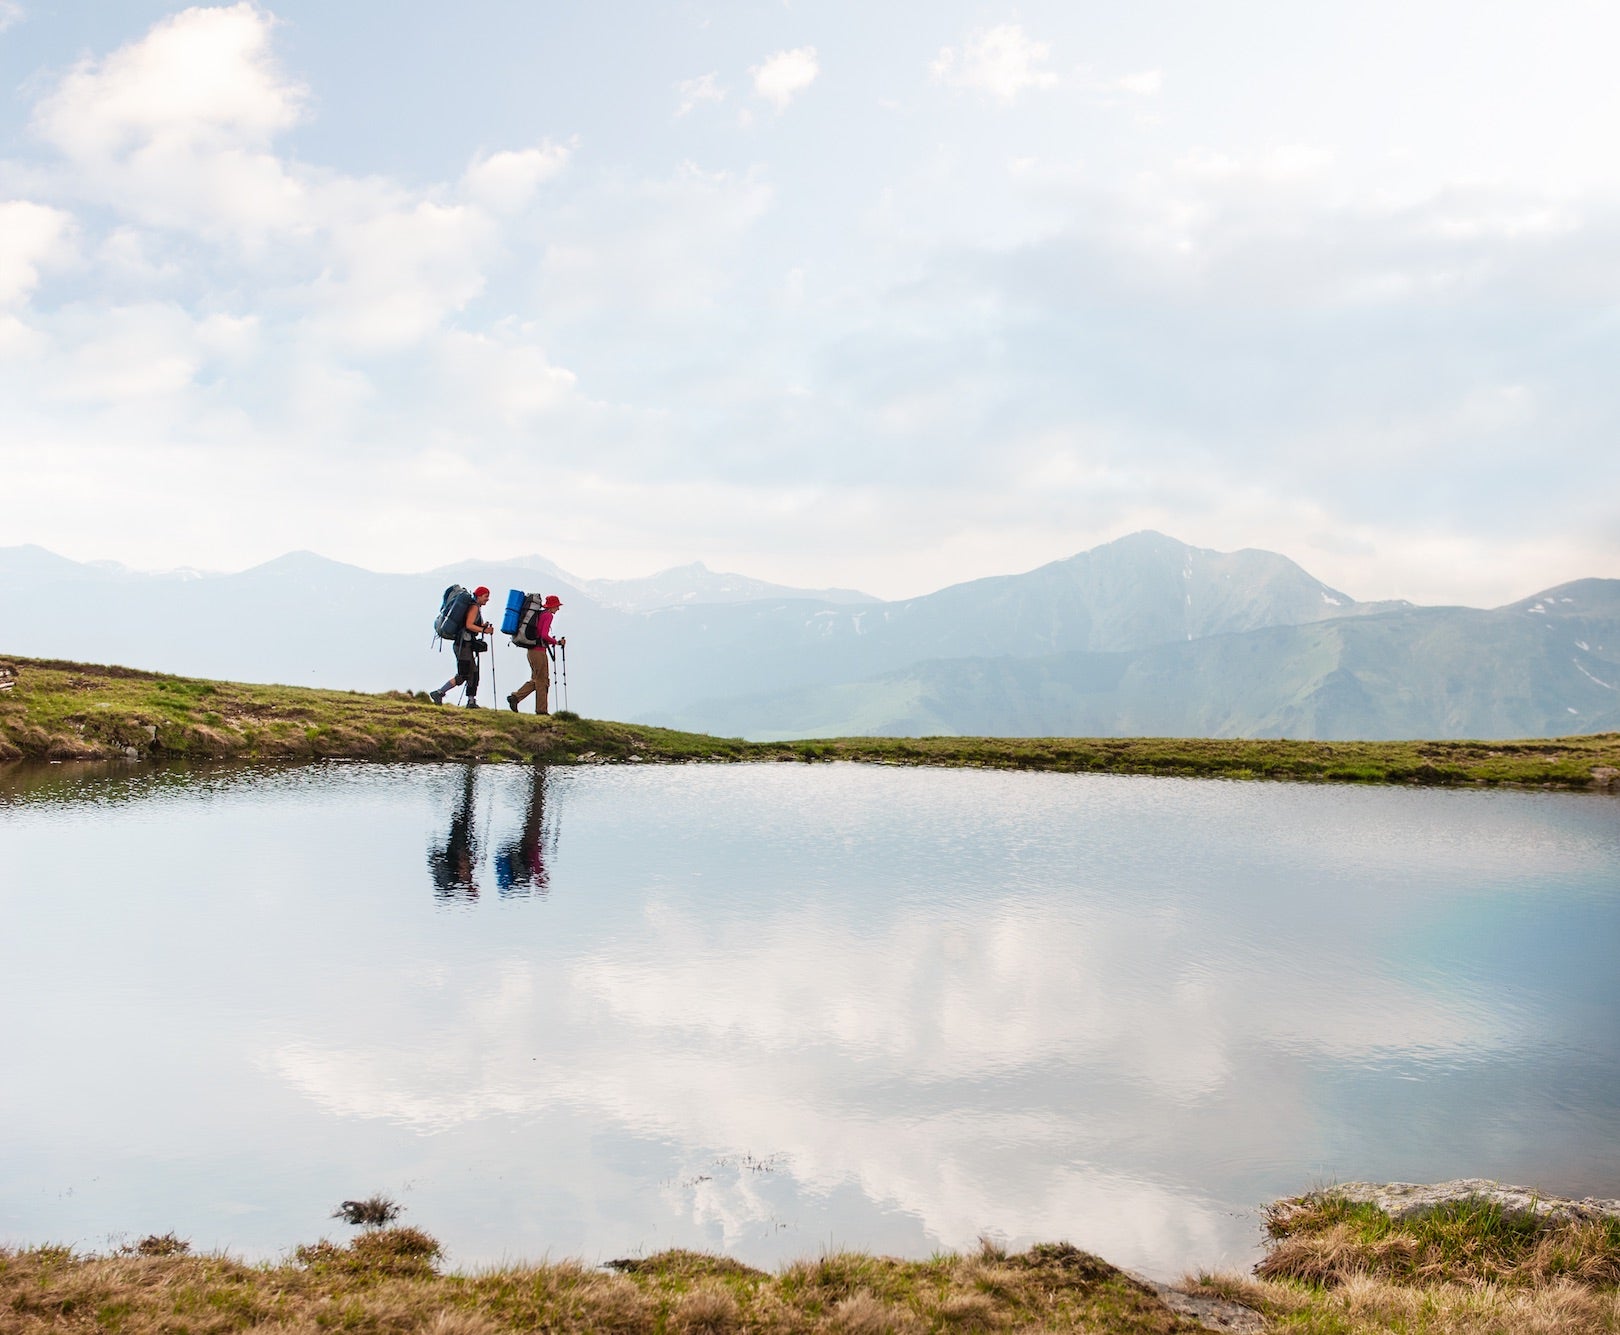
[(452, 618), (526, 634), (514, 609)]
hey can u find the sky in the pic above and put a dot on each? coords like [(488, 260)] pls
[(885, 297)]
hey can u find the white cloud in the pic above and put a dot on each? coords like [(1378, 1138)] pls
[(11, 12), (131, 255), (175, 127), (133, 354), (395, 274), (175, 131), (507, 182), (203, 75), (661, 246), (1000, 61), (32, 237), (1146, 83), (1140, 84), (19, 342), (785, 75), (503, 377), (693, 92)]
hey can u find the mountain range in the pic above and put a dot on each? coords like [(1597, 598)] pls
[(1143, 636)]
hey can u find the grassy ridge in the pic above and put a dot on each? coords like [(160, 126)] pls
[(75, 711), (1466, 1268), (388, 1282)]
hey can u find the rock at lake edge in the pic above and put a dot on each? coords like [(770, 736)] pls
[(1402, 1200), (1211, 1313)]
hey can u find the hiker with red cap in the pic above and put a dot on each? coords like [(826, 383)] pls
[(468, 647), (539, 683)]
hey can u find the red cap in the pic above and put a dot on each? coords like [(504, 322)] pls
[(480, 592), (552, 600)]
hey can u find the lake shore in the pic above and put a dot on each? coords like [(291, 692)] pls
[(60, 711), (1461, 1257)]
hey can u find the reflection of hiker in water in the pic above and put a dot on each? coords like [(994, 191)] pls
[(520, 866), (452, 865)]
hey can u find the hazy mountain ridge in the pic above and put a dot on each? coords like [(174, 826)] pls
[(1545, 666), (38, 564), (696, 584), (686, 585), (1142, 590), (1145, 635)]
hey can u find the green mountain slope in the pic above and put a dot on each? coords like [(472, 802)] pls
[(1540, 668)]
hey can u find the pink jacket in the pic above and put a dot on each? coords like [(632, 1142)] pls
[(545, 628)]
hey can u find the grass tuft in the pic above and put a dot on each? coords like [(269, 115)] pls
[(866, 1314), (157, 1244), (372, 1212), (708, 1309), (1326, 1240), (383, 1251)]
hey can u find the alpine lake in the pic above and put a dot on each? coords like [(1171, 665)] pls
[(779, 1010)]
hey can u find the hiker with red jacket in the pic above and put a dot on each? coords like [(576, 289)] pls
[(468, 647), (539, 683)]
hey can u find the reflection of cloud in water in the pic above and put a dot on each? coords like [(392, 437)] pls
[(972, 1074), (936, 999), (959, 1173), (953, 998), (941, 1001)]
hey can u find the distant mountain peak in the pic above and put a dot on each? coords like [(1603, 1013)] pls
[(304, 560), (1145, 537), (695, 584), (1578, 597)]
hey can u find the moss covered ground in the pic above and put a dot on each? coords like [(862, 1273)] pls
[(76, 711)]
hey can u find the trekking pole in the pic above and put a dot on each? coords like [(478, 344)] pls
[(565, 673), (494, 686)]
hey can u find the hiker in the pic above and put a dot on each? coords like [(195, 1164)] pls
[(520, 865), (468, 647), (452, 866), (539, 682)]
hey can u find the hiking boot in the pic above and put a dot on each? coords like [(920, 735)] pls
[(436, 696), (511, 703), (473, 704)]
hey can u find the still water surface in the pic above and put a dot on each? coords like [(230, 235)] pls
[(780, 1009)]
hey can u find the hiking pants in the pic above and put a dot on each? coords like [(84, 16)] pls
[(467, 668), (539, 681)]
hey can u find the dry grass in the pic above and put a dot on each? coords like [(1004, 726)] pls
[(1466, 1268), (385, 1281), (1326, 1240), (1364, 1305)]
